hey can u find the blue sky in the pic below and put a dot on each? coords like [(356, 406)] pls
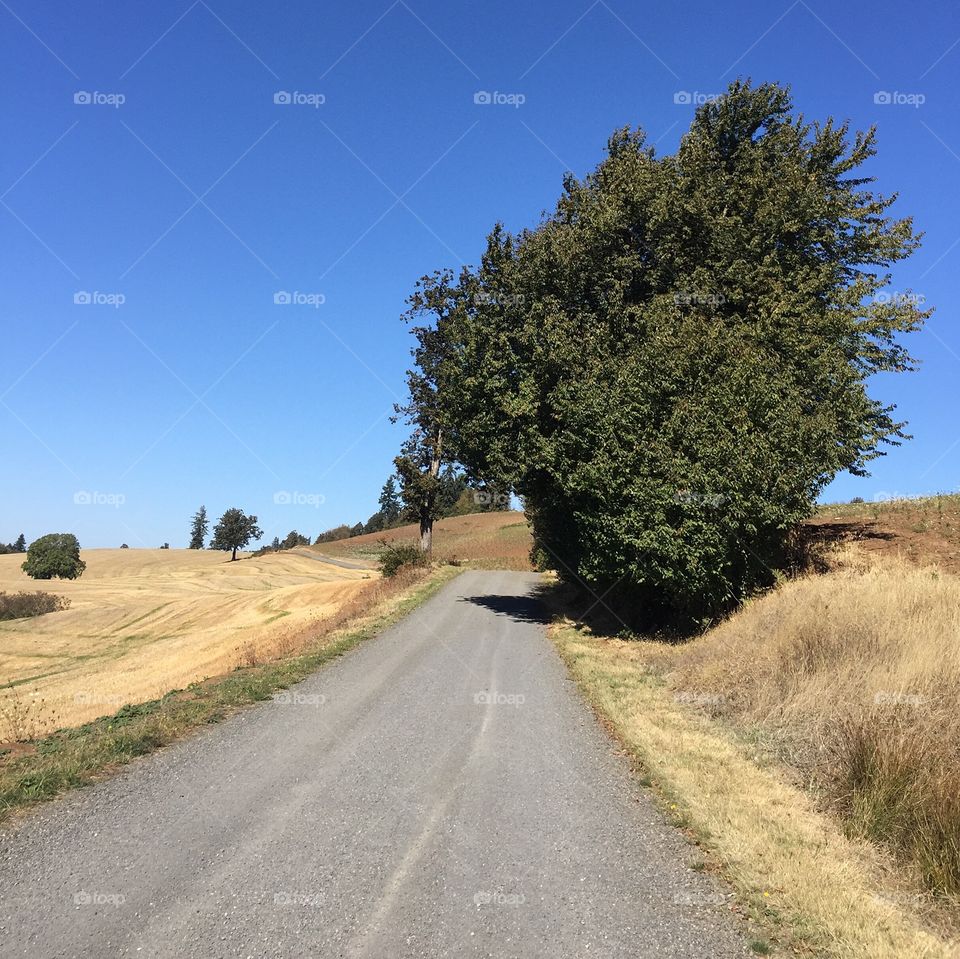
[(181, 199)]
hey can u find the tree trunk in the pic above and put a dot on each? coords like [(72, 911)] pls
[(426, 517), (233, 558), (426, 536)]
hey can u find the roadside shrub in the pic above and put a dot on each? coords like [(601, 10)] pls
[(395, 556), (23, 605)]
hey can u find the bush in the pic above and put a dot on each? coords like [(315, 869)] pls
[(54, 555), (22, 605), (395, 556)]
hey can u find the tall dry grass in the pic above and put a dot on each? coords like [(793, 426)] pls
[(854, 677)]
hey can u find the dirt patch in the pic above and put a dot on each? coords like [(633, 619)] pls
[(924, 532)]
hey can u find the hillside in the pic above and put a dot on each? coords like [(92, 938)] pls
[(925, 530), (499, 540)]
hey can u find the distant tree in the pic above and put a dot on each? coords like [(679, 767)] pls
[(165, 546), (54, 555), (490, 499), (437, 300), (275, 545), (20, 544), (124, 546), (198, 528), (390, 504), (453, 483), (332, 535), (357, 530), (294, 539), (375, 524), (234, 530)]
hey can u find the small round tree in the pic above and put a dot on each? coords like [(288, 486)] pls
[(54, 555)]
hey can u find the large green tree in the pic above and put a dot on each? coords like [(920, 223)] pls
[(54, 555), (672, 365), (234, 530)]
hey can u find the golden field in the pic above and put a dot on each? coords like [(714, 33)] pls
[(143, 622)]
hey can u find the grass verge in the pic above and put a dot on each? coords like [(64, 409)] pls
[(38, 771), (793, 868)]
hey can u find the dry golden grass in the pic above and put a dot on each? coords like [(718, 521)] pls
[(853, 677), (489, 540), (142, 622), (792, 866)]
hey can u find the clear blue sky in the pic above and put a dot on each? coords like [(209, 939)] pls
[(198, 198)]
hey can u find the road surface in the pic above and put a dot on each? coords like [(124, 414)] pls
[(441, 791)]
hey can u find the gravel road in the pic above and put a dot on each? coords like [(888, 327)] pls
[(441, 791)]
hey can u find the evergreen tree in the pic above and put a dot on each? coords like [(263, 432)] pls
[(198, 528), (390, 505)]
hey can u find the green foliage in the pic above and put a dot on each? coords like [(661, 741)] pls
[(395, 556), (198, 528), (332, 535), (22, 605), (673, 365), (19, 545), (234, 530), (390, 504), (54, 555)]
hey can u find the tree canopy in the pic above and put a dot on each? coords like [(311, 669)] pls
[(56, 555), (675, 362), (235, 530)]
